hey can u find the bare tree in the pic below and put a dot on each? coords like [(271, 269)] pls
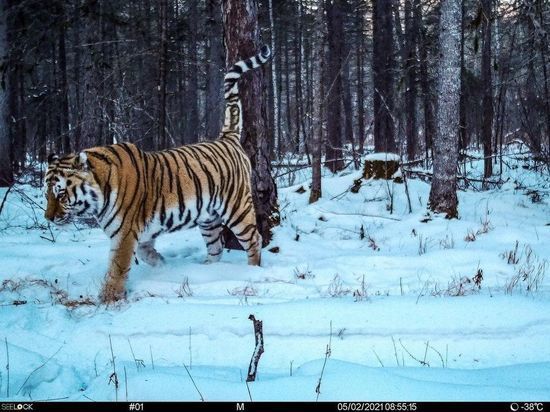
[(163, 56), (316, 143), (443, 198), (411, 28), (214, 81), (275, 90), (6, 175), (486, 81), (335, 41), (241, 34), (383, 63)]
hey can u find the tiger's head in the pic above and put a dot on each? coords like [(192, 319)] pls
[(70, 189)]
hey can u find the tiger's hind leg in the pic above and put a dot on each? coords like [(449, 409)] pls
[(147, 252), (244, 228), (212, 235)]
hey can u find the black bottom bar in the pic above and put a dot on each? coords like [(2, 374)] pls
[(276, 406)]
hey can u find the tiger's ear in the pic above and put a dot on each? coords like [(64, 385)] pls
[(52, 158), (81, 162)]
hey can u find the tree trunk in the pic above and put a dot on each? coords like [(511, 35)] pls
[(287, 92), (411, 25), (275, 90), (382, 67), (77, 111), (486, 81), (360, 50), (462, 141), (216, 65), (163, 56), (317, 139), (64, 88), (425, 83), (443, 198), (298, 79), (241, 34), (334, 160), (192, 103), (6, 174)]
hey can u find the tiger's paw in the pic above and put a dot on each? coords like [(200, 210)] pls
[(111, 294), (212, 258), (150, 255)]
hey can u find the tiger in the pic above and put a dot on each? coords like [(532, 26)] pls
[(135, 195)]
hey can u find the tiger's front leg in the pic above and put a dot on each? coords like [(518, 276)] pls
[(122, 251)]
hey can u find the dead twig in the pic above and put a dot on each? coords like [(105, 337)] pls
[(194, 384), (39, 367), (327, 355), (114, 377), (258, 349), (4, 199)]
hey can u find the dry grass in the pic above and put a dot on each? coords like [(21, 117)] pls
[(57, 294)]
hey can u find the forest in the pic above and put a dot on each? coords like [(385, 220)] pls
[(400, 175), (348, 77)]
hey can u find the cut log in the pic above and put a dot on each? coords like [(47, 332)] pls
[(382, 166)]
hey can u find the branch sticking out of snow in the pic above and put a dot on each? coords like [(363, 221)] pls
[(258, 349)]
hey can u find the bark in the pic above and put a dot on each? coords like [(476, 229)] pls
[(214, 80), (6, 174), (382, 66), (486, 80), (274, 91), (411, 25), (287, 87), (258, 348), (77, 112), (192, 101), (425, 84), (298, 80), (360, 50), (64, 89), (241, 34), (163, 56), (317, 139), (443, 198), (463, 143), (334, 160)]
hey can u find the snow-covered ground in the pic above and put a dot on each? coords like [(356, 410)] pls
[(394, 295)]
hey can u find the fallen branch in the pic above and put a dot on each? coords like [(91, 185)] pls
[(359, 214), (459, 177), (258, 349)]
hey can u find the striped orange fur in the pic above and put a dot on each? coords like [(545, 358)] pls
[(136, 195)]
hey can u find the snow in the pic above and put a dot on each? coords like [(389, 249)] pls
[(386, 157), (379, 287)]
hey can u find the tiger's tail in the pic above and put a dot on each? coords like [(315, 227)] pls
[(233, 120)]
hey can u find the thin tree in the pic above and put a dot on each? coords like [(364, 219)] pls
[(334, 160), (214, 80), (241, 34), (275, 91), (383, 63), (443, 197), (411, 28), (6, 175), (317, 138), (486, 81), (163, 56)]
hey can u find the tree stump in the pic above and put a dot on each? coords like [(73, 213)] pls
[(382, 166)]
